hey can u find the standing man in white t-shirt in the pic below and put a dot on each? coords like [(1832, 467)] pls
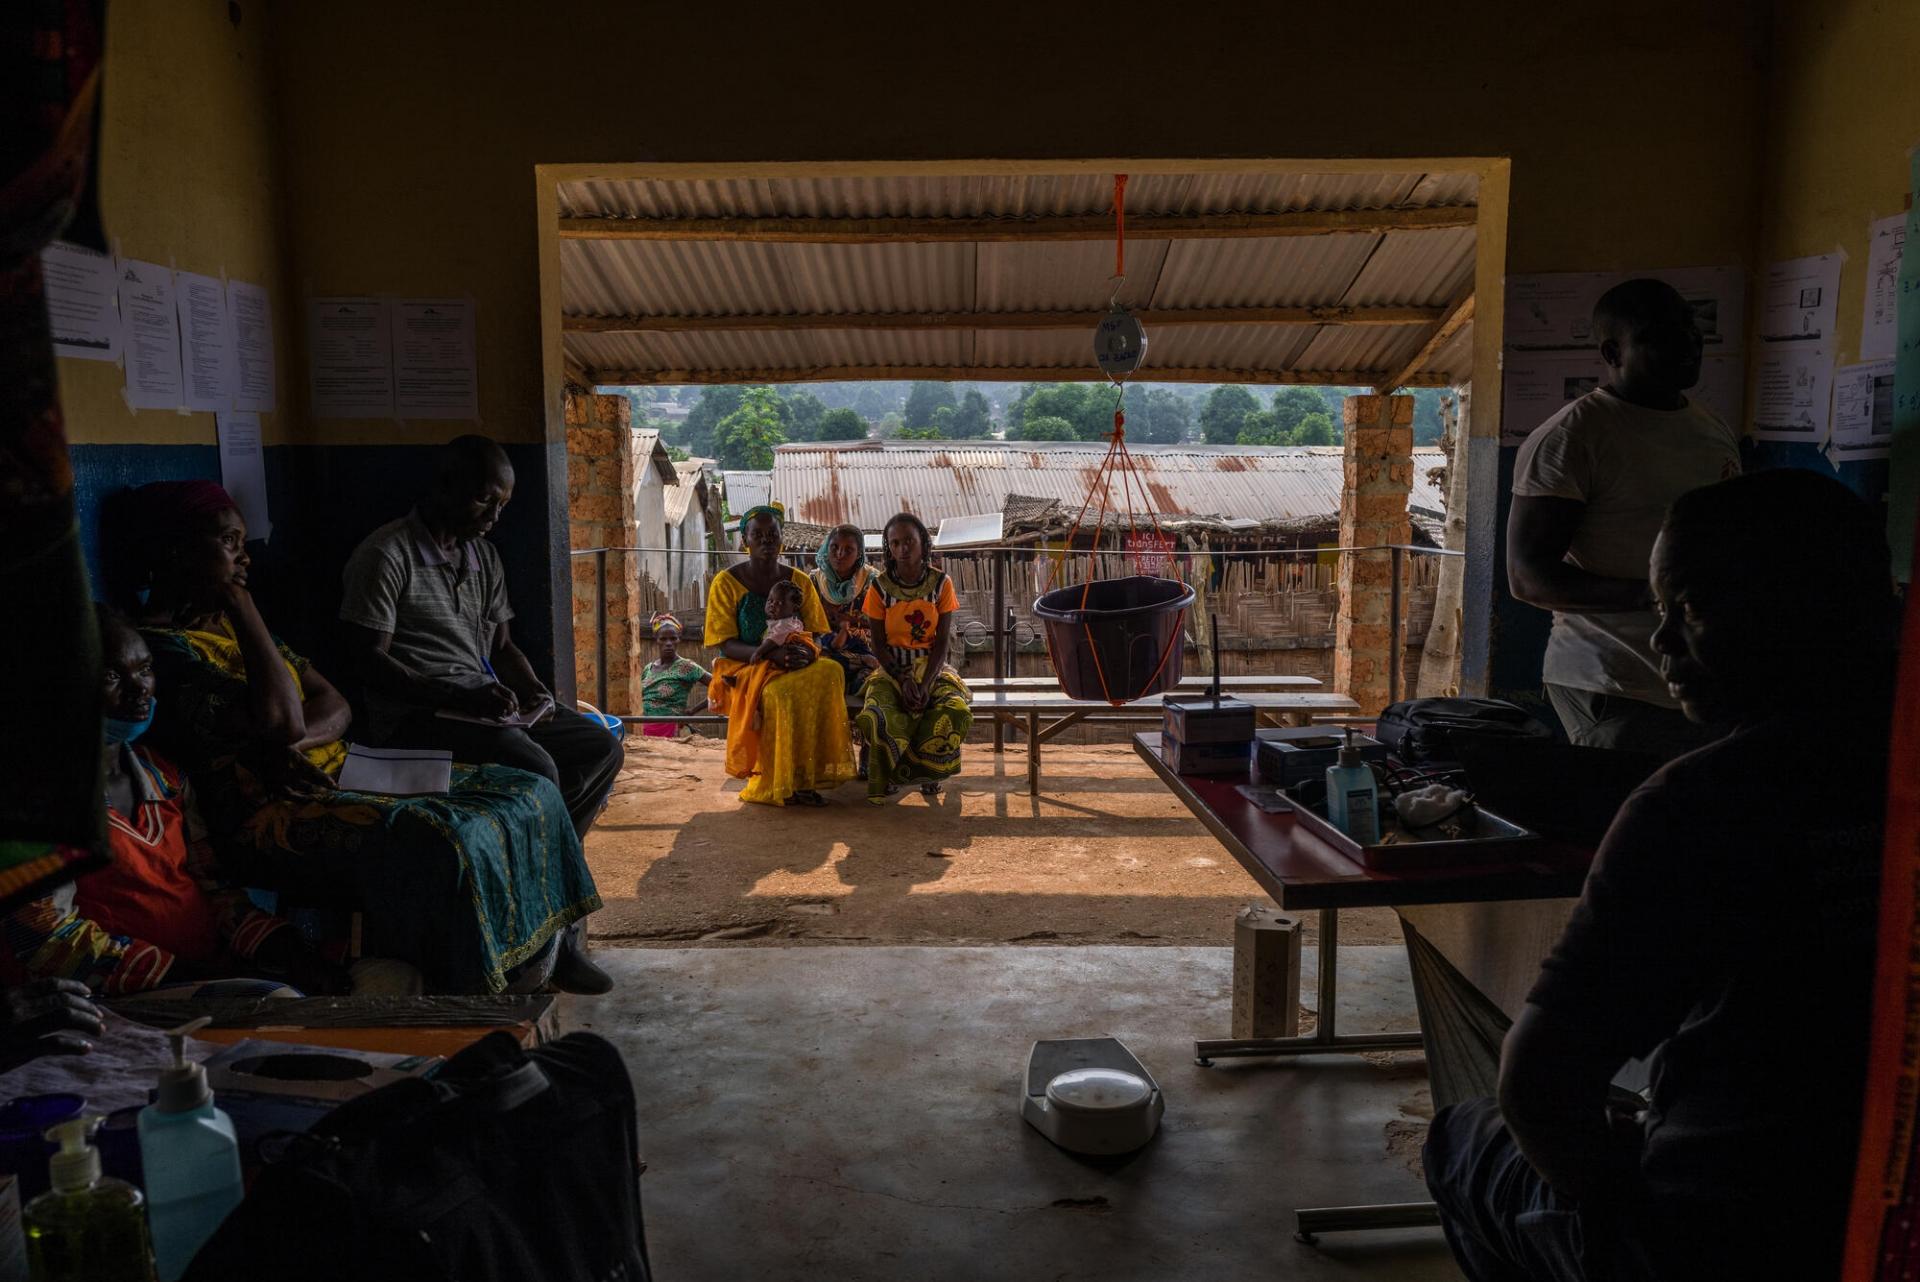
[(1590, 489)]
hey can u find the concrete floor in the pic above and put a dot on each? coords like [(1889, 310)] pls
[(849, 1113)]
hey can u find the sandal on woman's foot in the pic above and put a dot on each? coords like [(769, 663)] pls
[(807, 797), (929, 789)]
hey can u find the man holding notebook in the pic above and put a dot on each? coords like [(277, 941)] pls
[(426, 607)]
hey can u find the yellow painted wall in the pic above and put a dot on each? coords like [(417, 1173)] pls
[(412, 130), (187, 178), (1843, 110)]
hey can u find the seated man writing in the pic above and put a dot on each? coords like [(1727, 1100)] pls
[(426, 606), (1726, 928)]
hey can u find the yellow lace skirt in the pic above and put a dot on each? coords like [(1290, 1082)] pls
[(802, 741)]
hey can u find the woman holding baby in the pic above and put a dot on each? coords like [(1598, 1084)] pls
[(786, 711)]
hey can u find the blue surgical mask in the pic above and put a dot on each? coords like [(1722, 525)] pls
[(118, 731)]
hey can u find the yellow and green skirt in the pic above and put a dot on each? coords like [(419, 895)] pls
[(908, 747)]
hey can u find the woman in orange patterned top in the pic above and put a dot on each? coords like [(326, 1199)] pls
[(917, 711)]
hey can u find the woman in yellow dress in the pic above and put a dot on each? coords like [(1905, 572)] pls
[(800, 745)]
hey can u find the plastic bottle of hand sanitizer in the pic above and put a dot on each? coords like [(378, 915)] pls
[(88, 1227), (1353, 798), (191, 1161)]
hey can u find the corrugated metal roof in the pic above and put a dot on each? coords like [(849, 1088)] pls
[(746, 489), (984, 196), (935, 480), (690, 479), (725, 278)]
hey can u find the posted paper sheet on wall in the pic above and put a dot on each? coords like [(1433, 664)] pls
[(243, 469), (252, 317), (433, 359), (351, 358), (82, 309), (1862, 411), (1793, 395), (1552, 356), (1886, 238), (206, 341), (152, 336)]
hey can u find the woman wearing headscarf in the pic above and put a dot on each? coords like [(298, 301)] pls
[(667, 683), (466, 886), (800, 744), (841, 576), (917, 711)]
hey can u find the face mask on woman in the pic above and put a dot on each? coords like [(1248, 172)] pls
[(118, 731)]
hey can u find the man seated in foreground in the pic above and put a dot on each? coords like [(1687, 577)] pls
[(1727, 927), (426, 607)]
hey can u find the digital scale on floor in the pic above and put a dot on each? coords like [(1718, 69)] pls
[(1090, 1095)]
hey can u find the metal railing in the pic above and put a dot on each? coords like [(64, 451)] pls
[(990, 624)]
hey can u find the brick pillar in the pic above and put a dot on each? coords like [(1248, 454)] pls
[(1377, 477), (600, 482)]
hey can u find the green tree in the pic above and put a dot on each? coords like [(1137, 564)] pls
[(943, 421), (889, 425), (1315, 429), (804, 412), (841, 425), (1087, 407), (1426, 415), (744, 440), (874, 401), (919, 433), (1167, 419), (677, 454), (974, 417), (1043, 427), (923, 400), (1261, 428), (715, 403), (1291, 404), (1225, 414)]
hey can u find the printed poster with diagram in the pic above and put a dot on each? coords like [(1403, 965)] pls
[(1552, 356), (1793, 392)]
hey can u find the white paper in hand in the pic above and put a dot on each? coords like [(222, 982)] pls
[(397, 772)]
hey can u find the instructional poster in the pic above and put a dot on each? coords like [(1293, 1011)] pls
[(351, 358), (152, 336), (1793, 394), (206, 341), (1552, 356), (433, 359), (81, 302), (1862, 411)]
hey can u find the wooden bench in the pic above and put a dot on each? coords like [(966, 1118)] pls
[(1289, 707), (1196, 683)]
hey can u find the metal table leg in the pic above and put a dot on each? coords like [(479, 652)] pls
[(1323, 1040)]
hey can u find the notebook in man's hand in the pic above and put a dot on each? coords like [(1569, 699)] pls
[(524, 717)]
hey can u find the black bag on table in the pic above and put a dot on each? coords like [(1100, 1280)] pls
[(507, 1165), (1428, 732)]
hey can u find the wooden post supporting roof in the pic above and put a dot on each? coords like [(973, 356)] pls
[(1459, 314)]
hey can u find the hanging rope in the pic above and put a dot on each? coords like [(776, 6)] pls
[(1118, 458)]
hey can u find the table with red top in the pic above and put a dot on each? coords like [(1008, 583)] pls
[(1475, 936)]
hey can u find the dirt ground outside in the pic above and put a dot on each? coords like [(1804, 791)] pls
[(1105, 856)]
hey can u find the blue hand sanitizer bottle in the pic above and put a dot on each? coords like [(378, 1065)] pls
[(191, 1161), (1353, 798)]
